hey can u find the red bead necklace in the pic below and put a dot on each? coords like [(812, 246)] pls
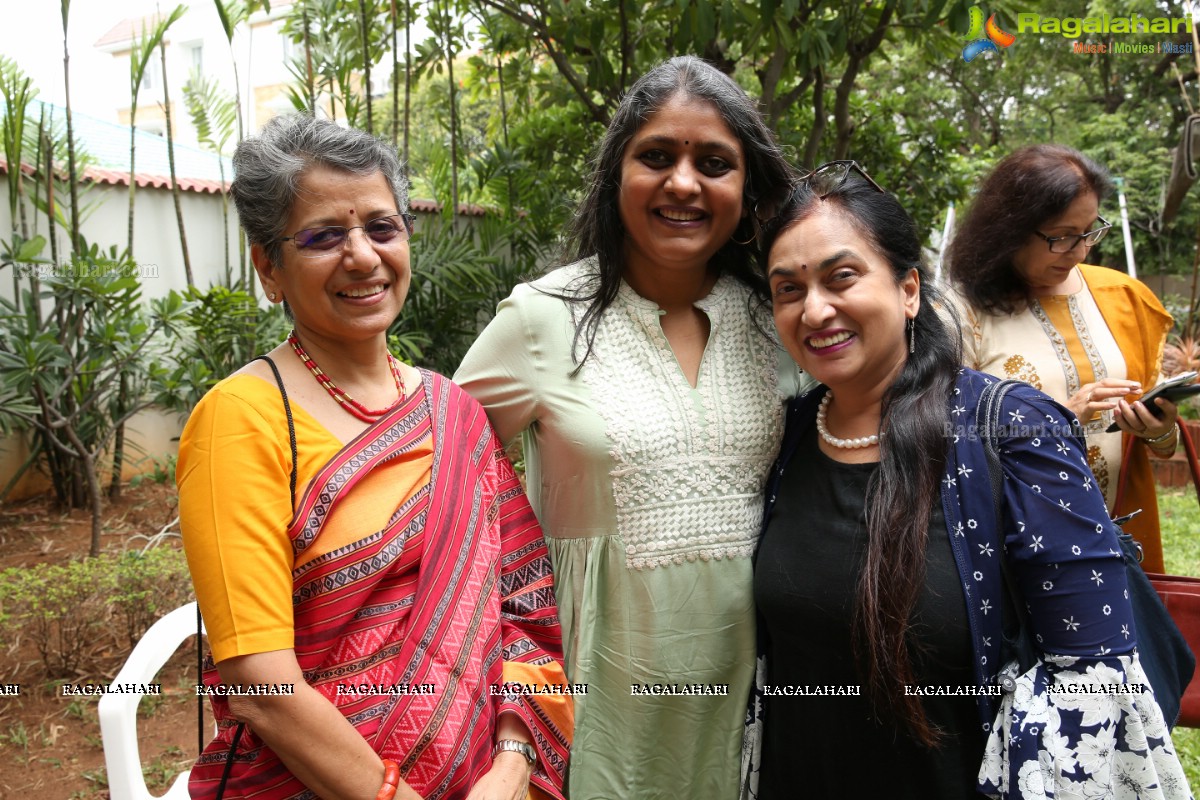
[(344, 400)]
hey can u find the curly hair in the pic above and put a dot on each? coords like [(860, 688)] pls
[(1027, 188)]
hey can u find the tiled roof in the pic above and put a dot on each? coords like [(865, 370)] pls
[(107, 145), (112, 176), (126, 29)]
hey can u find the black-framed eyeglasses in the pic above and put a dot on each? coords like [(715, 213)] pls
[(330, 239), (1065, 244), (830, 176)]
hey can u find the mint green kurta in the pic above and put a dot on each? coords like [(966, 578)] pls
[(649, 493)]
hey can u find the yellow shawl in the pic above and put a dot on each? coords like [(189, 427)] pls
[(1140, 325)]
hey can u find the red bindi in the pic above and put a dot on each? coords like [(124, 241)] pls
[(352, 212)]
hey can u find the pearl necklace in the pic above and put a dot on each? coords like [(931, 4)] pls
[(833, 441)]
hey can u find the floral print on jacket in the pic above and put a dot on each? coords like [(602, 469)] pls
[(1076, 724)]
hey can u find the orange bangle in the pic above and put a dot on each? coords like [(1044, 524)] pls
[(391, 780)]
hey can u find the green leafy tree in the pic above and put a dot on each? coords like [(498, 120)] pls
[(64, 378), (17, 90)]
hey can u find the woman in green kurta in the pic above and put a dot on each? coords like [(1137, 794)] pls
[(650, 399)]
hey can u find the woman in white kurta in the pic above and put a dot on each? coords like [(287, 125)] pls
[(649, 394)]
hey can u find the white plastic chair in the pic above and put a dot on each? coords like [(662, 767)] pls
[(118, 712)]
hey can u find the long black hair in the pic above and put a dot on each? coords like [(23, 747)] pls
[(912, 450), (597, 229), (1028, 187)]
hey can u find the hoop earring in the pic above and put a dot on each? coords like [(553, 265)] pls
[(912, 336), (748, 241)]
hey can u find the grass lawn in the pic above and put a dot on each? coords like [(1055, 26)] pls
[(1180, 515)]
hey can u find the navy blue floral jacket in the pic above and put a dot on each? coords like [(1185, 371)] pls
[(1064, 555)]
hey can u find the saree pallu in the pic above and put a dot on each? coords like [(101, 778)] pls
[(1140, 325), (453, 596)]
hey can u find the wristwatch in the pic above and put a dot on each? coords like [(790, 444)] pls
[(514, 746)]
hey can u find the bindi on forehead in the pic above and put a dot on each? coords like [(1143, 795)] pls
[(352, 212)]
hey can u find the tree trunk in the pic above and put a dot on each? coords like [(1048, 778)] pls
[(93, 487), (366, 41), (512, 195), (71, 176), (453, 116), (225, 219), (309, 84), (118, 464), (132, 173), (407, 77), (813, 147), (64, 477), (237, 96), (187, 263), (51, 234), (395, 79)]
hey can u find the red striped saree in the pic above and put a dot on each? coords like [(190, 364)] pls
[(455, 593)]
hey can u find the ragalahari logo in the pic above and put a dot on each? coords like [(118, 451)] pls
[(978, 43)]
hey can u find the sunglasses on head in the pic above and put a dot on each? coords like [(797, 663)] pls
[(830, 176)]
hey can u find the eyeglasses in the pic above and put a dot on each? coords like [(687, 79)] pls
[(830, 176), (1065, 244), (330, 239)]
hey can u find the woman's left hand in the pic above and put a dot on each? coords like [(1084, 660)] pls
[(1136, 419), (508, 779)]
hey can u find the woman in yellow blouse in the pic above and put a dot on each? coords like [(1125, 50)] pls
[(354, 531), (1090, 337)]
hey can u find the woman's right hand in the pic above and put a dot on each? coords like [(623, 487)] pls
[(309, 734), (1096, 398)]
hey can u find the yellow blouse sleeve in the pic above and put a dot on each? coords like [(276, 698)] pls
[(234, 508)]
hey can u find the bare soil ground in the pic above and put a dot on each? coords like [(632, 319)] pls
[(50, 746)]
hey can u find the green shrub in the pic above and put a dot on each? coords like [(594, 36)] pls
[(77, 613), (147, 586), (61, 608)]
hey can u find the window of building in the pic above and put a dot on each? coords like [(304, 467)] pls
[(196, 58), (152, 77)]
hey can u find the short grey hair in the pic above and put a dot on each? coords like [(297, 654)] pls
[(268, 168)]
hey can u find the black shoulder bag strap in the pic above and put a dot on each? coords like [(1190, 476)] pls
[(988, 424), (237, 734)]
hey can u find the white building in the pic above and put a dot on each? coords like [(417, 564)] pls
[(196, 44)]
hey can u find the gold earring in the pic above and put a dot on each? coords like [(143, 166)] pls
[(748, 241)]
